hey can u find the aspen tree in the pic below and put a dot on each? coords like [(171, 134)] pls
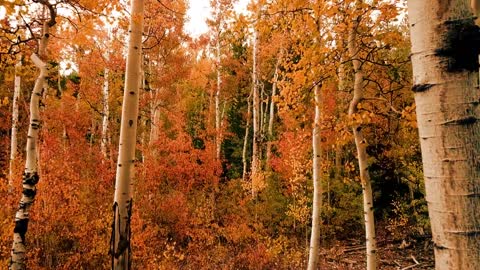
[(31, 175), (221, 8), (218, 116), (245, 139), (272, 113), (122, 206), (106, 112), (444, 53), (13, 137), (361, 145), (317, 187), (256, 164), (105, 98)]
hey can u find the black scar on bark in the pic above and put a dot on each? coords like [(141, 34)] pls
[(31, 178), (124, 241), (30, 193), (21, 227), (461, 45), (439, 247), (467, 121), (112, 237), (421, 87)]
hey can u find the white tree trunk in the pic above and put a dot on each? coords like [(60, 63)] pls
[(317, 187), (245, 140), (255, 167), (361, 145), (272, 115), (262, 110), (13, 140), (155, 121), (445, 72), (218, 113), (122, 207), (105, 113), (31, 175)]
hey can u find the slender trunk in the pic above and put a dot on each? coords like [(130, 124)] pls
[(317, 187), (155, 119), (447, 95), (105, 113), (13, 141), (122, 206), (271, 118), (62, 106), (338, 164), (143, 121), (245, 140), (31, 175), (218, 116), (255, 170), (361, 145), (262, 110)]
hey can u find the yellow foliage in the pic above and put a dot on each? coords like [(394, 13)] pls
[(5, 102)]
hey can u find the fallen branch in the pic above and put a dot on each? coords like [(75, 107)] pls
[(354, 248), (414, 260), (411, 266)]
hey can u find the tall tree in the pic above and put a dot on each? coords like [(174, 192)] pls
[(31, 176), (444, 53), (13, 140), (105, 98), (272, 112), (317, 186), (245, 139), (122, 206), (256, 161), (218, 55), (106, 111), (361, 143), (221, 10)]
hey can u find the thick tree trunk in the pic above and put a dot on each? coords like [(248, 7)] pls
[(445, 71), (31, 175), (13, 138), (317, 187), (255, 167), (105, 113), (122, 206), (361, 145)]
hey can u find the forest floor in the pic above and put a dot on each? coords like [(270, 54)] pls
[(393, 254)]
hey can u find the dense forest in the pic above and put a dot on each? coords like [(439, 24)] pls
[(296, 134)]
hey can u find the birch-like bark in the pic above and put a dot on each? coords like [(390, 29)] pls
[(31, 175), (255, 166), (445, 76), (13, 139), (105, 113), (271, 118), (245, 140), (361, 145), (122, 206), (218, 113), (317, 187), (262, 110), (155, 119)]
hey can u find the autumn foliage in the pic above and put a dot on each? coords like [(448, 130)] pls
[(191, 209)]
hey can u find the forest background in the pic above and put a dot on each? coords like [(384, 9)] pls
[(223, 166)]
